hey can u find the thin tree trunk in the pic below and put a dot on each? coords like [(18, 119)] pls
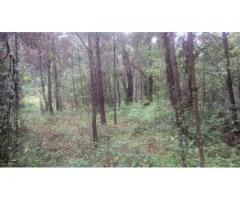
[(119, 93), (141, 87), (16, 82), (150, 88), (60, 86), (238, 75), (129, 74), (188, 81), (73, 85), (233, 107), (93, 88), (99, 81), (136, 88), (50, 107), (81, 85), (204, 85), (175, 93), (194, 91), (114, 83), (57, 95), (42, 81)]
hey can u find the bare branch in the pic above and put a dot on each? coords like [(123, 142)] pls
[(82, 41)]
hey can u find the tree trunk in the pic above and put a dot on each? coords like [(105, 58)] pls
[(119, 93), (188, 80), (174, 91), (93, 88), (5, 98), (81, 85), (233, 107), (73, 86), (57, 93), (141, 88), (114, 83), (99, 81), (16, 83), (60, 86), (150, 88), (194, 92), (42, 81), (204, 86), (238, 75), (50, 107), (129, 75)]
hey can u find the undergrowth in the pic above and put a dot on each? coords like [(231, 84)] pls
[(145, 136)]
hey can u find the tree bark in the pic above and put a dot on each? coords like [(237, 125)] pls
[(5, 97), (141, 88), (119, 93), (174, 91), (238, 75), (93, 88), (233, 107), (188, 79), (150, 88), (50, 106), (57, 95), (114, 83), (73, 85), (42, 81), (194, 92), (16, 83), (129, 75), (99, 81), (81, 85)]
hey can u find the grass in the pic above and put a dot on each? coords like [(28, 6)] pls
[(145, 136)]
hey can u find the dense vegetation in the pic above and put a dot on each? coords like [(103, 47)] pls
[(119, 99)]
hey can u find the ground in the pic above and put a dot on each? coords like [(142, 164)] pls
[(143, 137)]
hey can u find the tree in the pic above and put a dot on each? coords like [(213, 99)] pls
[(6, 98), (57, 86), (42, 80), (73, 84), (114, 82), (174, 90), (129, 74), (50, 106), (194, 92), (16, 84), (229, 81), (99, 80), (93, 87)]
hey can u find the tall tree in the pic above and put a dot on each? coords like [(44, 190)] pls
[(233, 107), (194, 92), (42, 79), (56, 81), (50, 106), (73, 84), (114, 82), (175, 92), (5, 98), (129, 75), (100, 94), (93, 87), (16, 83)]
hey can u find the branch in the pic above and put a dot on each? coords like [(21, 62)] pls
[(82, 41), (140, 70)]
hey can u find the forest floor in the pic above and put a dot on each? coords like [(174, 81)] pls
[(143, 137)]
